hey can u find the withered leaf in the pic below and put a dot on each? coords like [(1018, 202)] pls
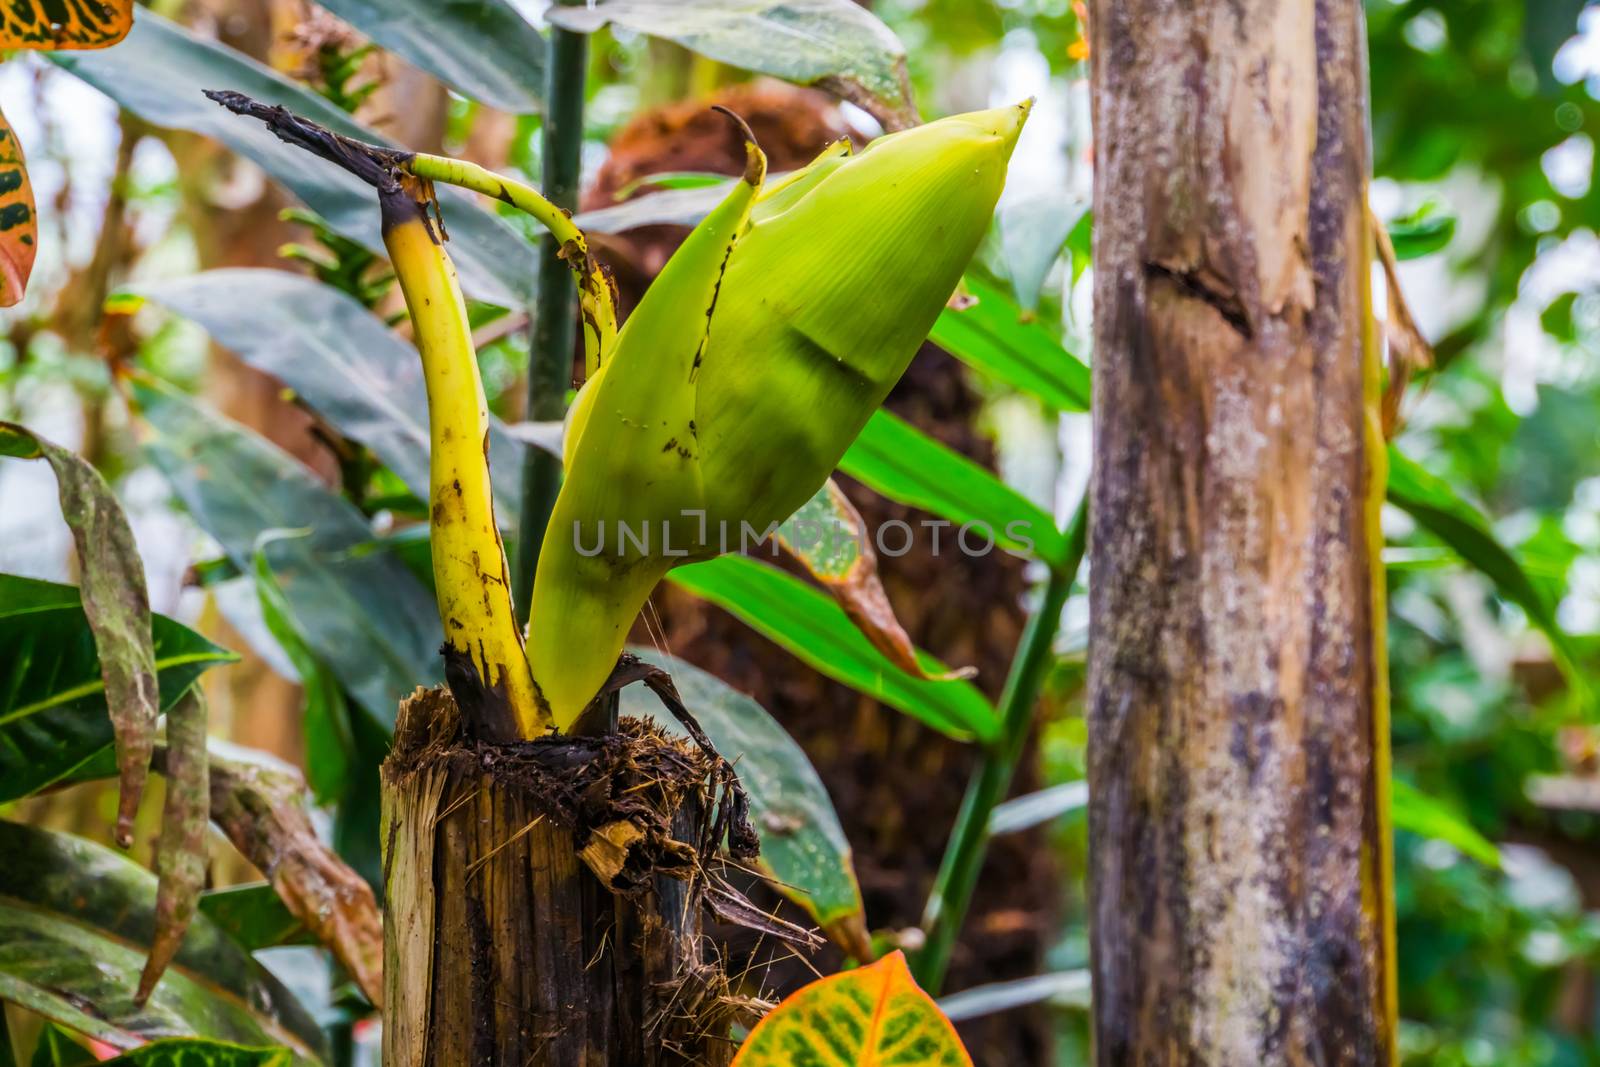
[(181, 853)]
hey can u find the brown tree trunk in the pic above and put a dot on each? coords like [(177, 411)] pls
[(1241, 902), (501, 944)]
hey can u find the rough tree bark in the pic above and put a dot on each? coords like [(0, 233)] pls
[(1238, 714)]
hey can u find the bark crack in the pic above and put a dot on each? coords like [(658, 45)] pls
[(1203, 287)]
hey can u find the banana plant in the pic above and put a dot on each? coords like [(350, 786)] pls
[(698, 420)]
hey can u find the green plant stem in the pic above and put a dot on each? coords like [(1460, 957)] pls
[(555, 324), (946, 909)]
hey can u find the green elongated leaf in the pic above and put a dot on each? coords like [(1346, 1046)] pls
[(158, 73), (74, 920), (482, 49), (1032, 809), (192, 1052), (374, 623), (117, 607), (1421, 814), (904, 464), (1033, 233), (670, 207), (672, 179), (803, 847), (57, 1048), (53, 718), (816, 630), (326, 723), (181, 854), (833, 44), (1438, 509), (1064, 989), (1421, 234), (341, 359), (992, 336), (254, 916)]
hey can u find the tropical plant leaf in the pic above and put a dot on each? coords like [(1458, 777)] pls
[(833, 44), (829, 539), (1415, 811), (990, 334), (117, 605), (53, 718), (340, 359), (1421, 233), (1033, 233), (896, 459), (1032, 809), (326, 720), (482, 49), (254, 916), (1066, 989), (803, 848), (258, 803), (158, 73), (52, 25), (862, 1018), (1437, 508), (816, 630), (19, 220), (74, 920), (192, 1052), (374, 623), (181, 852), (57, 1048), (670, 207)]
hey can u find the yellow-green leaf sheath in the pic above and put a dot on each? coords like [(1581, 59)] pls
[(469, 568), (643, 470)]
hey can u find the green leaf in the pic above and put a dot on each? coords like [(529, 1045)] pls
[(191, 1052), (482, 49), (53, 718), (56, 1048), (672, 179), (74, 920), (1032, 809), (372, 621), (833, 44), (116, 604), (1422, 233), (158, 73), (671, 207), (1438, 509), (816, 630), (1033, 233), (1421, 814), (340, 359), (896, 459), (803, 847), (254, 916), (329, 743), (994, 337), (1063, 989)]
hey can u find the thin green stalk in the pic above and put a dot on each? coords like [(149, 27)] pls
[(555, 324), (946, 910)]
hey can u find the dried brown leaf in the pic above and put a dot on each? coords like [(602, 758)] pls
[(181, 853)]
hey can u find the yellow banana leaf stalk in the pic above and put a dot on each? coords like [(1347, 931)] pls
[(751, 363)]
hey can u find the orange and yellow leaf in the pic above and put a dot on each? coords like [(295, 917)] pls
[(19, 226), (874, 1016), (57, 25)]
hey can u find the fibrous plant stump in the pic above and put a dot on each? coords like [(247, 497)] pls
[(543, 899)]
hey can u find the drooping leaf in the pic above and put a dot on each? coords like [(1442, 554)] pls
[(259, 803), (874, 1015), (482, 49), (53, 25), (1415, 811), (803, 847), (833, 44), (1422, 233), (828, 537), (1032, 809), (670, 207), (19, 220), (1438, 509), (254, 916), (326, 721), (362, 609), (1065, 989), (158, 73), (192, 1052), (75, 919), (53, 717), (57, 1048), (116, 603), (816, 630), (991, 335), (1033, 233), (181, 852), (340, 359), (896, 459)]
